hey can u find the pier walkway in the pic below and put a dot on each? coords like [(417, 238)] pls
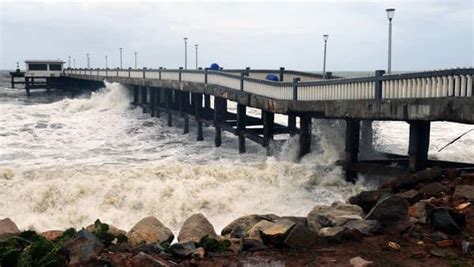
[(418, 98)]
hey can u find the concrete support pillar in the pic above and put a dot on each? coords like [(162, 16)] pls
[(144, 98), (268, 126), (27, 86), (241, 124), (152, 101), (183, 105), (419, 143), (305, 134), (157, 101), (220, 109), (197, 99), (292, 124), (366, 139), (48, 86), (352, 148), (169, 100)]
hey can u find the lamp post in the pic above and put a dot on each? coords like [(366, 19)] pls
[(325, 38), (135, 53), (106, 62), (69, 62), (185, 53), (88, 61), (390, 13), (121, 49), (196, 46), (74, 62)]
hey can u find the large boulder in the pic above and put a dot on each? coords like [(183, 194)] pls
[(464, 191), (196, 227), (301, 237), (149, 230), (410, 195), (256, 230), (367, 199), (83, 248), (392, 213), (447, 221), (276, 234), (245, 223), (336, 214), (8, 228), (432, 190), (183, 250), (365, 227)]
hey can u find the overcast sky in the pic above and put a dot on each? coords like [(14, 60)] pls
[(426, 34)]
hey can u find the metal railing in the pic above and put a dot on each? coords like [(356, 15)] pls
[(444, 83)]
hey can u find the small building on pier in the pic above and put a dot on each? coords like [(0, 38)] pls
[(44, 68)]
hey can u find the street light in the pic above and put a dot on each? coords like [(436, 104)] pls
[(135, 53), (185, 53), (69, 62), (74, 62), (325, 37), (121, 58), (390, 14), (106, 63), (196, 46), (88, 61)]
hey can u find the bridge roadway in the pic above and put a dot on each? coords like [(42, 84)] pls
[(417, 98)]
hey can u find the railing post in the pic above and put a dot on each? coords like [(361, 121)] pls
[(295, 88), (180, 71), (159, 73), (247, 71), (144, 71), (117, 72), (282, 73), (328, 75), (205, 75), (378, 83), (129, 72), (106, 72)]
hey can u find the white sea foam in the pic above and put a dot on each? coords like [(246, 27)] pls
[(69, 162)]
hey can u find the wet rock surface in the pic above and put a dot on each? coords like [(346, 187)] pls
[(196, 227), (149, 230)]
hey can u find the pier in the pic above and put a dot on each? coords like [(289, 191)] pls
[(417, 98)]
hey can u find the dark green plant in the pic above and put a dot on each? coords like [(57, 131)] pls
[(30, 249), (101, 230), (212, 244)]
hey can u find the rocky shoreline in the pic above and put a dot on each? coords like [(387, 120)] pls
[(418, 219)]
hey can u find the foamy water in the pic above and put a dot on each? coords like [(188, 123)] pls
[(66, 162)]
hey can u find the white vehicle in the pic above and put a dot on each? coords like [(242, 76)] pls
[(44, 68)]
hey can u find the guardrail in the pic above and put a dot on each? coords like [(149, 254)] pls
[(445, 83)]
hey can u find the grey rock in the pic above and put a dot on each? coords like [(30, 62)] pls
[(183, 250), (367, 199), (366, 227), (245, 223), (276, 234), (196, 227), (441, 220), (335, 215), (392, 213), (409, 195), (149, 230), (464, 191), (432, 190), (82, 248), (256, 230), (438, 236), (8, 228), (301, 237)]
